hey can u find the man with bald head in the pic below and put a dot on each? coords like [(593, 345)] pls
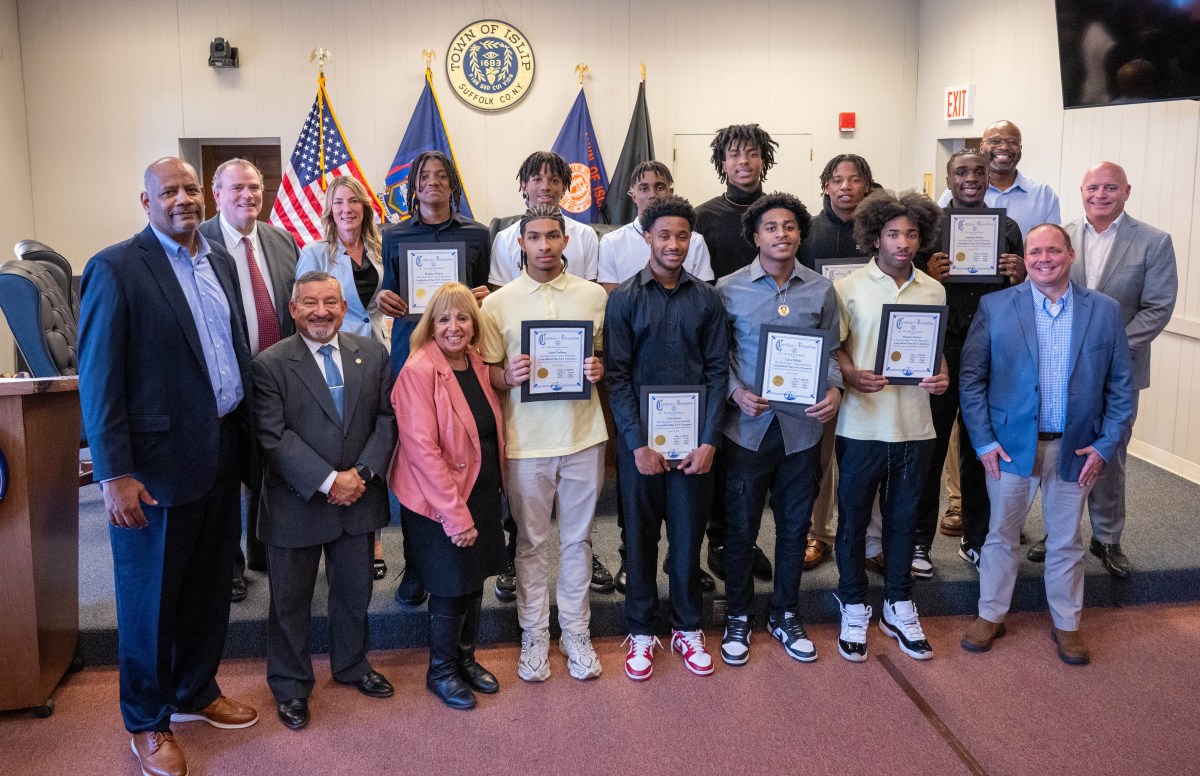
[(1134, 263), (164, 383)]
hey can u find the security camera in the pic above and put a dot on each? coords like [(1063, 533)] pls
[(221, 54)]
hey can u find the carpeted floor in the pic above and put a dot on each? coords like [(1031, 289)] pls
[(1016, 710)]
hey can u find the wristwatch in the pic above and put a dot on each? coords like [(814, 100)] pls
[(364, 472)]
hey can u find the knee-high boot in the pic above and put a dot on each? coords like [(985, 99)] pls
[(442, 678), (480, 679)]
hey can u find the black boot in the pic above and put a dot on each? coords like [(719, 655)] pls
[(480, 679), (442, 678)]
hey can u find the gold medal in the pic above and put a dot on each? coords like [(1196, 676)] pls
[(784, 310)]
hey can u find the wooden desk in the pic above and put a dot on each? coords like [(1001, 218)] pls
[(39, 539)]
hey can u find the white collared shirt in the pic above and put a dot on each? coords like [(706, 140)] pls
[(624, 252), (320, 359), (1097, 247), (237, 249), (581, 253)]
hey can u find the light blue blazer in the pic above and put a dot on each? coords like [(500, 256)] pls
[(363, 321)]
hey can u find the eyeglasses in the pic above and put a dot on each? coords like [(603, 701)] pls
[(999, 141)]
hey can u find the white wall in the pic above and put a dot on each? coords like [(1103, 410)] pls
[(1010, 53), (16, 207)]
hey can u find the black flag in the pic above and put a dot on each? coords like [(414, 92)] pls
[(638, 148)]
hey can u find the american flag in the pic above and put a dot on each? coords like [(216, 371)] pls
[(321, 154)]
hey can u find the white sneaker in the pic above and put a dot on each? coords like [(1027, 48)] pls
[(639, 662), (852, 643), (534, 663), (899, 620), (582, 661), (691, 645)]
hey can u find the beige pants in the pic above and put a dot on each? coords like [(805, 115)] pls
[(824, 513)]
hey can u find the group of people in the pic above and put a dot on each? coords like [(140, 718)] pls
[(214, 353)]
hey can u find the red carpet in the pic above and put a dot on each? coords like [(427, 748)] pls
[(1015, 710)]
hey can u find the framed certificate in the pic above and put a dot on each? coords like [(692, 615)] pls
[(835, 269), (910, 342), (671, 416), (972, 237), (793, 367), (426, 267), (556, 351)]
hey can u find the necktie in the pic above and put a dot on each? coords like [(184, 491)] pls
[(268, 321), (333, 378)]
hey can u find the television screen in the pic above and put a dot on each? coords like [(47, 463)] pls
[(1125, 51)]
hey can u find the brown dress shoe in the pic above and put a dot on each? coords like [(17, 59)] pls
[(158, 754), (951, 524), (1071, 648), (815, 553), (981, 634), (222, 713), (876, 564)]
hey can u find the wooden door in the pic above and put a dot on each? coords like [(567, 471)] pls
[(265, 157)]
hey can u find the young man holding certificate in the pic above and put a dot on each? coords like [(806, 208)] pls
[(784, 383), (555, 448), (885, 431), (666, 334)]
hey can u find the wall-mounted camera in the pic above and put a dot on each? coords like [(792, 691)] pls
[(222, 54)]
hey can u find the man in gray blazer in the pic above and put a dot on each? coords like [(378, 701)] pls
[(326, 429), (265, 285), (1134, 263)]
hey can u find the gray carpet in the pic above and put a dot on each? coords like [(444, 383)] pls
[(1160, 539)]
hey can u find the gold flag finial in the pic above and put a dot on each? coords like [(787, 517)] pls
[(643, 72), (428, 54), (580, 70), (320, 56)]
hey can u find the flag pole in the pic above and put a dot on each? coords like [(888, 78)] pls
[(321, 56)]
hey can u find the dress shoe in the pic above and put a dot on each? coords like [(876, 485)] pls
[(1113, 559), (410, 591), (716, 560), (374, 685), (238, 591), (1071, 648), (815, 554), (760, 565), (224, 713), (602, 581), (378, 569), (293, 713), (876, 563), (158, 754), (981, 634), (619, 579), (1037, 553), (951, 524)]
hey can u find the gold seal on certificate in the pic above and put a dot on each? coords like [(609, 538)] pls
[(671, 415), (973, 239), (556, 350), (424, 268), (793, 366), (910, 342)]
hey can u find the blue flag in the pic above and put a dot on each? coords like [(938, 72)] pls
[(584, 200), (426, 132)]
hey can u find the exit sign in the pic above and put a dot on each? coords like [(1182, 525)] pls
[(960, 102)]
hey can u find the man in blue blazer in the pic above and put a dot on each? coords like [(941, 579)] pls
[(1046, 395), (165, 386)]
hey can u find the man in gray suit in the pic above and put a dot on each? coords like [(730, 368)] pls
[(326, 428), (265, 257), (1134, 263)]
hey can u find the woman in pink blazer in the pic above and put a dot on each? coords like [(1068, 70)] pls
[(448, 476)]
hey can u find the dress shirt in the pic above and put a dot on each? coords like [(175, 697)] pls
[(237, 249), (1027, 201), (659, 336), (752, 300), (211, 312), (1097, 247), (624, 252), (336, 355), (581, 253)]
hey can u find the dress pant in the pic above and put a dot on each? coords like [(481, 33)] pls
[(683, 501), (896, 472), (1106, 504), (172, 587), (1062, 508), (536, 486), (792, 481), (975, 507), (293, 576), (824, 516)]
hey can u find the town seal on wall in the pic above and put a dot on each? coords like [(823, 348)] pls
[(490, 65)]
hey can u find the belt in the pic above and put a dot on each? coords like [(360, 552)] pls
[(1047, 436)]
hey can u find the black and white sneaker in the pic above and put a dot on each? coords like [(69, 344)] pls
[(602, 580), (735, 644), (968, 553), (922, 567), (852, 642), (506, 584), (789, 632), (899, 620)]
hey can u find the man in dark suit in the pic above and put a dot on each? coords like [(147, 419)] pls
[(265, 257), (1046, 398), (325, 424), (164, 378)]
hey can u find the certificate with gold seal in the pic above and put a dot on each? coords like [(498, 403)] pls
[(671, 416), (556, 351), (910, 342), (972, 237), (793, 367), (426, 267)]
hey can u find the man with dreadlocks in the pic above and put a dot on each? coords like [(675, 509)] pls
[(434, 199), (544, 177), (742, 154)]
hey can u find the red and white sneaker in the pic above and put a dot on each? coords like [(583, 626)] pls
[(639, 662), (691, 645)]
